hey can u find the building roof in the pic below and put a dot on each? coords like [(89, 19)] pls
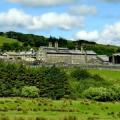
[(104, 58), (116, 54), (26, 53), (52, 50)]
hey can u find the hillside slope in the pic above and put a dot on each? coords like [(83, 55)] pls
[(35, 41), (7, 40)]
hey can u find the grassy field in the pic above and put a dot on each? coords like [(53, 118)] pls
[(6, 40), (45, 109), (109, 75)]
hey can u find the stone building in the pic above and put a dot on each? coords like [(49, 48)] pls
[(53, 54), (64, 55), (115, 58), (28, 56)]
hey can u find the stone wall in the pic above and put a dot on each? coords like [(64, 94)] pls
[(66, 58), (58, 58)]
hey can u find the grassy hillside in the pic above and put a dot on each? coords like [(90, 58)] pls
[(108, 75), (37, 40), (7, 40)]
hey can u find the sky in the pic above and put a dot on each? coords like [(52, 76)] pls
[(92, 20)]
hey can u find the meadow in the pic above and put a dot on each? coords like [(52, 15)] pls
[(46, 109), (112, 76)]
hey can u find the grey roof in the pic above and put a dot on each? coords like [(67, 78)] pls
[(116, 54), (104, 58), (26, 53), (52, 50), (91, 52)]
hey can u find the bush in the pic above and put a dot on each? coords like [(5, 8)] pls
[(78, 87), (116, 90), (99, 94), (30, 91), (80, 74)]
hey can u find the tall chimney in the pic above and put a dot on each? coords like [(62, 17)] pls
[(56, 44), (50, 44), (76, 47), (82, 50)]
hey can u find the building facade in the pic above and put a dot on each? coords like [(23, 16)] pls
[(64, 55)]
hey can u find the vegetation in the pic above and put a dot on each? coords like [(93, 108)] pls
[(10, 44), (79, 74), (52, 93), (35, 41), (102, 94), (30, 91), (47, 109), (82, 80), (51, 82), (7, 40), (56, 83)]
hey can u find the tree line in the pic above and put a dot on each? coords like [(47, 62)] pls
[(35, 41)]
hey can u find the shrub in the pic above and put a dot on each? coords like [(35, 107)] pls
[(78, 87), (116, 90), (80, 74), (100, 94), (30, 91)]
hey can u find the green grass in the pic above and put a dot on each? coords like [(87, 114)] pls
[(7, 40), (58, 110), (108, 75)]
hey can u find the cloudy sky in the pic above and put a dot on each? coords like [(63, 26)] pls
[(93, 20)]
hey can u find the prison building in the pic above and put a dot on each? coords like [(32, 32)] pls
[(64, 55)]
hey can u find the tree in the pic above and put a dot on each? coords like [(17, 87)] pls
[(6, 46), (55, 83)]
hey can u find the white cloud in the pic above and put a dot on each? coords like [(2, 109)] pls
[(84, 10), (37, 3), (91, 36), (109, 35), (15, 18), (52, 20)]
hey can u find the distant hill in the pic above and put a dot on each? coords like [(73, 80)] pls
[(35, 41), (7, 40)]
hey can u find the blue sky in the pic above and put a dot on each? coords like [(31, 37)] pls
[(93, 20)]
